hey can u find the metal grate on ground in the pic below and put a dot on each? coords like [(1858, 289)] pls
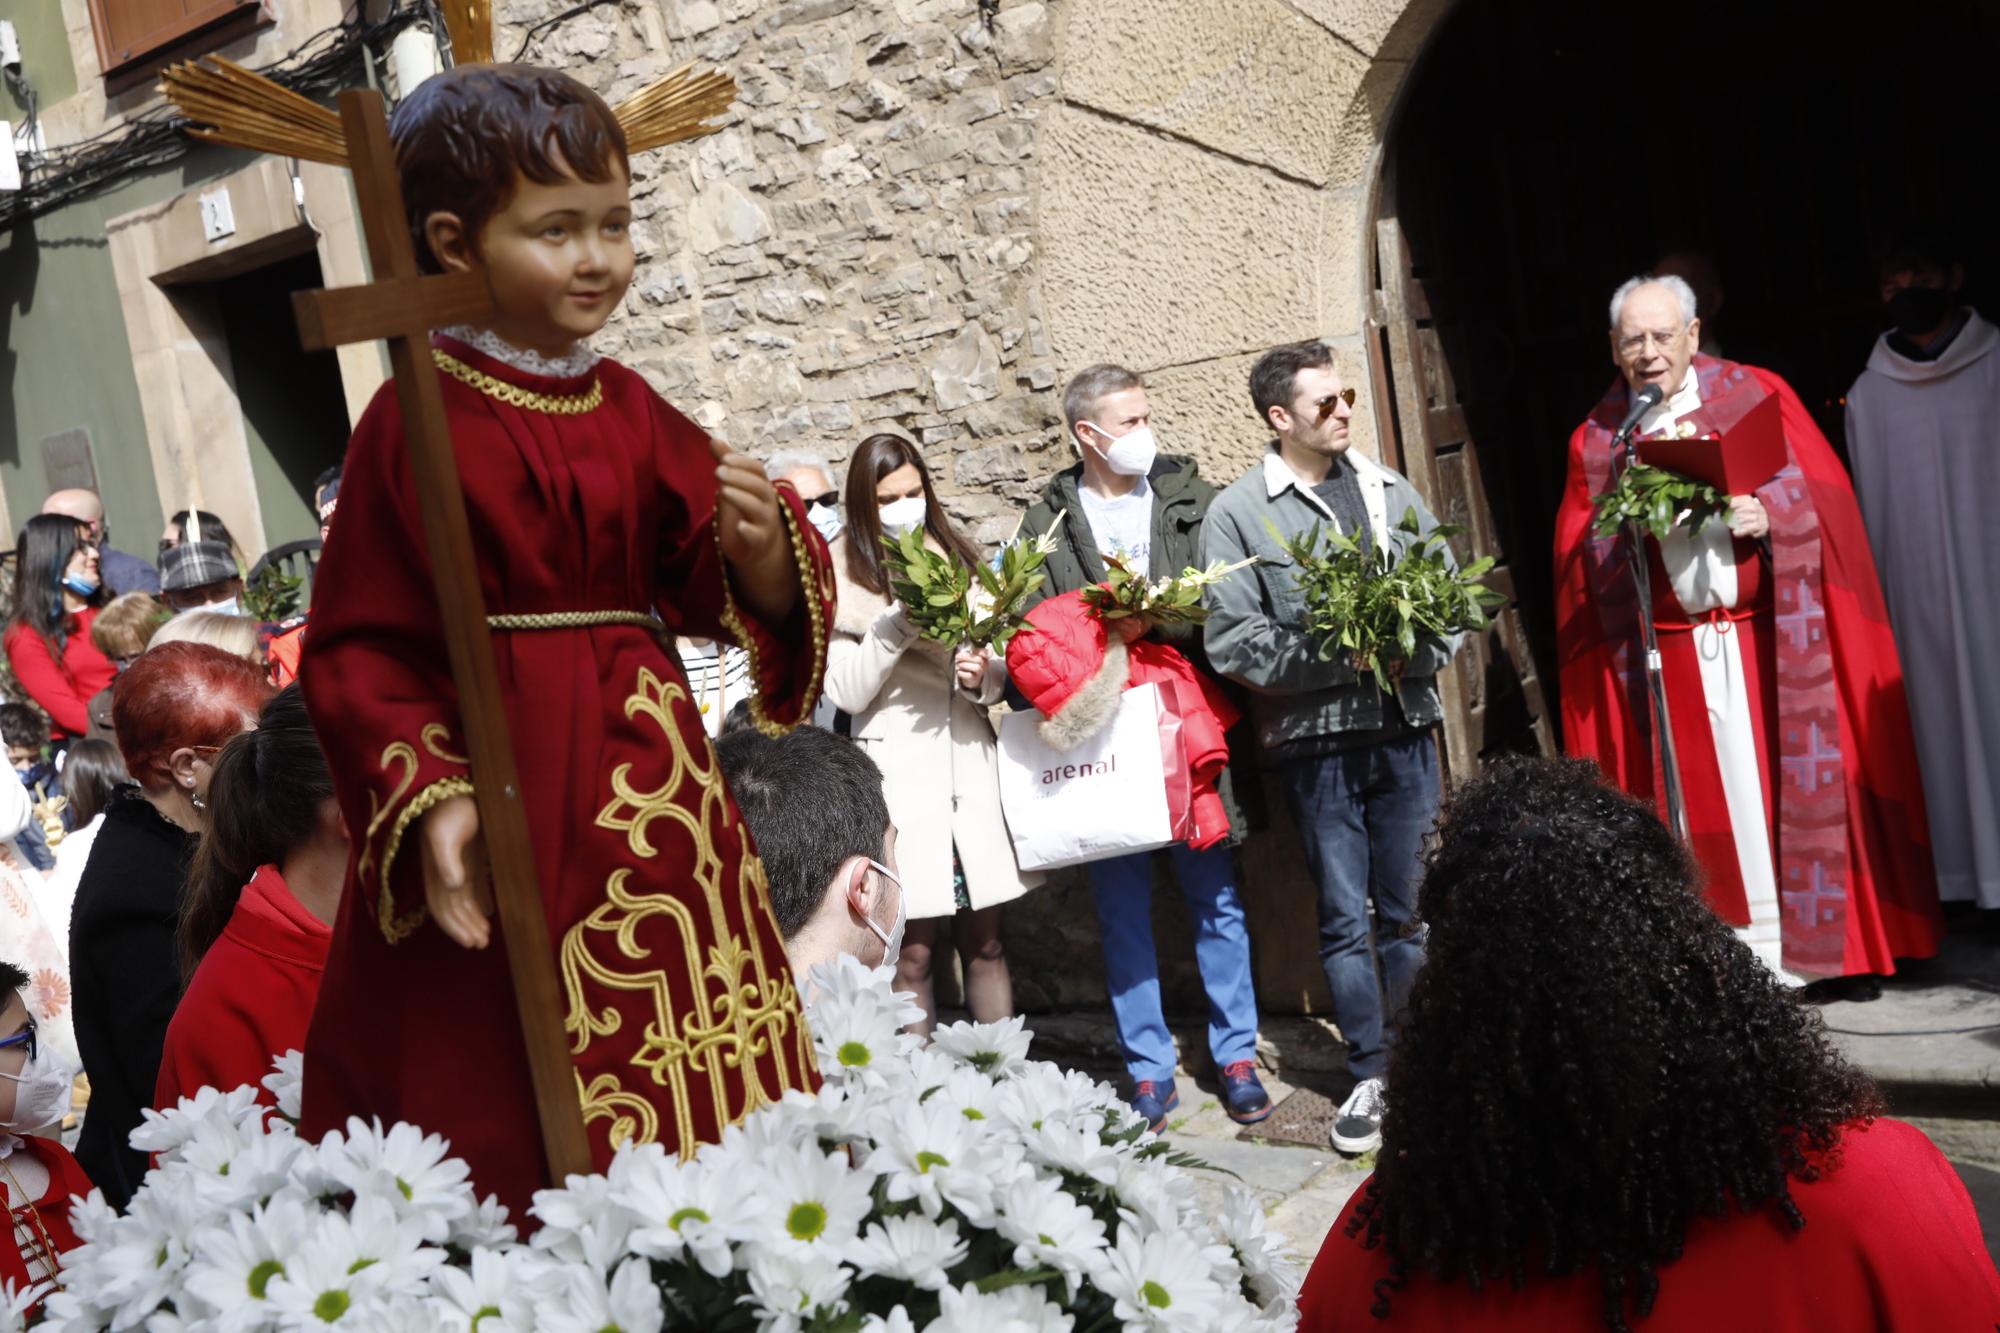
[(1306, 1117)]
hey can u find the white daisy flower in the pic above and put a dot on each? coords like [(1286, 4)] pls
[(809, 1199), (234, 1264), (495, 1291), (1040, 1091), (580, 1225), (789, 1287), (630, 1302), (934, 1155), (685, 1210), (485, 1227), (994, 1049), (860, 1042), (1051, 1229), (911, 1249), (1072, 1151), (1164, 1281), (15, 1302), (137, 1261), (1153, 1197), (1267, 1266), (287, 1083), (1010, 1310), (970, 1093), (845, 980), (412, 1170), (162, 1133), (896, 1321)]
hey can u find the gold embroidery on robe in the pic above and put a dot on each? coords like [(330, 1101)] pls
[(722, 1012), (816, 586), (404, 754)]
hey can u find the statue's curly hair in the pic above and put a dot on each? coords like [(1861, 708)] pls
[(1591, 1059)]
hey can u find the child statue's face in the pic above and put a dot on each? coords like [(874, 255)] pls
[(559, 258)]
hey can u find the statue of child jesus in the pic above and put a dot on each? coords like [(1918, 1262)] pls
[(593, 505)]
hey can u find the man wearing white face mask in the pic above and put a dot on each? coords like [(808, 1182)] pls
[(1126, 499), (815, 808), (200, 576), (40, 1176), (812, 477)]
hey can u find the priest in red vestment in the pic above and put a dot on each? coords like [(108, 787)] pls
[(1783, 686), (602, 525)]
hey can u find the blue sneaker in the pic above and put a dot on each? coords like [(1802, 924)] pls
[(1243, 1094), (1154, 1101)]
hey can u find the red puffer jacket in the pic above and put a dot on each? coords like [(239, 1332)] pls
[(1073, 671)]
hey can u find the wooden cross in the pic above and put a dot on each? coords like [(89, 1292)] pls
[(403, 305)]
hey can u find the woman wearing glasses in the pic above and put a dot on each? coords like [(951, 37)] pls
[(40, 1177), (57, 592), (174, 710), (260, 906)]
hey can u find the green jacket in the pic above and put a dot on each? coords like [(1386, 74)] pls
[(1180, 504)]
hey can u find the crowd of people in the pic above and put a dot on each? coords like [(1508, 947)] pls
[(181, 856)]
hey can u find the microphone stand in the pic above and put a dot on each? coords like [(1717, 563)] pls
[(1624, 449)]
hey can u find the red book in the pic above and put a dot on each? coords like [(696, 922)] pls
[(1735, 463)]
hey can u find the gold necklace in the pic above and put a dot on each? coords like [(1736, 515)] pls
[(561, 405), (39, 1233)]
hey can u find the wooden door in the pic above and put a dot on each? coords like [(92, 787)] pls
[(1492, 694)]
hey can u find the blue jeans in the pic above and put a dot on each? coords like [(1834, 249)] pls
[(1123, 887), (1363, 816)]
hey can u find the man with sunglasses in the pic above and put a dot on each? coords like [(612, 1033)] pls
[(812, 477), (1356, 756)]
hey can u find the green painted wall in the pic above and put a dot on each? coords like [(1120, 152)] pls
[(44, 51), (64, 358)]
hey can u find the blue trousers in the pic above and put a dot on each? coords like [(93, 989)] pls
[(1363, 816), (1123, 887)]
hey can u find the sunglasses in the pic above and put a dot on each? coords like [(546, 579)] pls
[(825, 500), (1325, 405)]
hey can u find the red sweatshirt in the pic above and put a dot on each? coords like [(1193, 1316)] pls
[(1891, 1245), (252, 997), (62, 686)]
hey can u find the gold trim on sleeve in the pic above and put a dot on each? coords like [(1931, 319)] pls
[(560, 405), (732, 620), (396, 929)]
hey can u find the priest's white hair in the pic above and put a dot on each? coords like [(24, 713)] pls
[(1677, 285), (793, 460)]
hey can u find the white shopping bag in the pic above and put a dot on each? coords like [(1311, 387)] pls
[(1107, 797)]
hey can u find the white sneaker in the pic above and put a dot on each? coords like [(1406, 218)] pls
[(1358, 1127)]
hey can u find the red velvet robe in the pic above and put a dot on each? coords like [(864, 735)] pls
[(682, 1014), (250, 1000), (1855, 881)]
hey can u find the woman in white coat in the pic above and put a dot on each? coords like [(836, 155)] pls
[(919, 710)]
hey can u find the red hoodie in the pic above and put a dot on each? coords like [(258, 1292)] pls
[(252, 997)]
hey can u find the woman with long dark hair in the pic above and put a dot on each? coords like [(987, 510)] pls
[(1605, 1113), (56, 595), (260, 905), (174, 710), (919, 711)]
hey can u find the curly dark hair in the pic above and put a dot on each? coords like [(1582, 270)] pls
[(1591, 1059)]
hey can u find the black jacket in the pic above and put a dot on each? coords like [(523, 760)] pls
[(125, 979), (1180, 502)]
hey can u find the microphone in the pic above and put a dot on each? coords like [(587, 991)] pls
[(1643, 402)]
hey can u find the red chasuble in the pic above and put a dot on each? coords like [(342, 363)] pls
[(590, 500), (1839, 771)]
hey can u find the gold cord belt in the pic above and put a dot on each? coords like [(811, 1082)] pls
[(575, 620), (561, 405)]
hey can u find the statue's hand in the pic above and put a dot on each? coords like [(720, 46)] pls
[(755, 541), (457, 887)]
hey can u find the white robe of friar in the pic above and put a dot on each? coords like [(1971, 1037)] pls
[(1923, 440), (1702, 570)]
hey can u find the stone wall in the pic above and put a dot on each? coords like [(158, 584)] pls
[(856, 251)]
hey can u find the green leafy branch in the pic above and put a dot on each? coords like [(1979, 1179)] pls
[(1371, 606), (1171, 601), (980, 606), (1658, 501), (274, 595)]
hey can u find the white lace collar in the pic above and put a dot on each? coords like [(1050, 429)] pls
[(569, 367)]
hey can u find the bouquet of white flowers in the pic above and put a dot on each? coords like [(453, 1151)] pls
[(947, 1188)]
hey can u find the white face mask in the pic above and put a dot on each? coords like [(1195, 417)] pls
[(1130, 454), (892, 939), (826, 518), (228, 606), (42, 1096), (903, 516)]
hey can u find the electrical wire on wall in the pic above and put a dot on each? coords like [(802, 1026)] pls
[(320, 66)]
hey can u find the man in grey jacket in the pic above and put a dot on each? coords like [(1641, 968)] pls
[(1358, 762)]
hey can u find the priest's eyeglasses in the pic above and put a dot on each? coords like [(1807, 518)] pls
[(1633, 343), (1325, 405)]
